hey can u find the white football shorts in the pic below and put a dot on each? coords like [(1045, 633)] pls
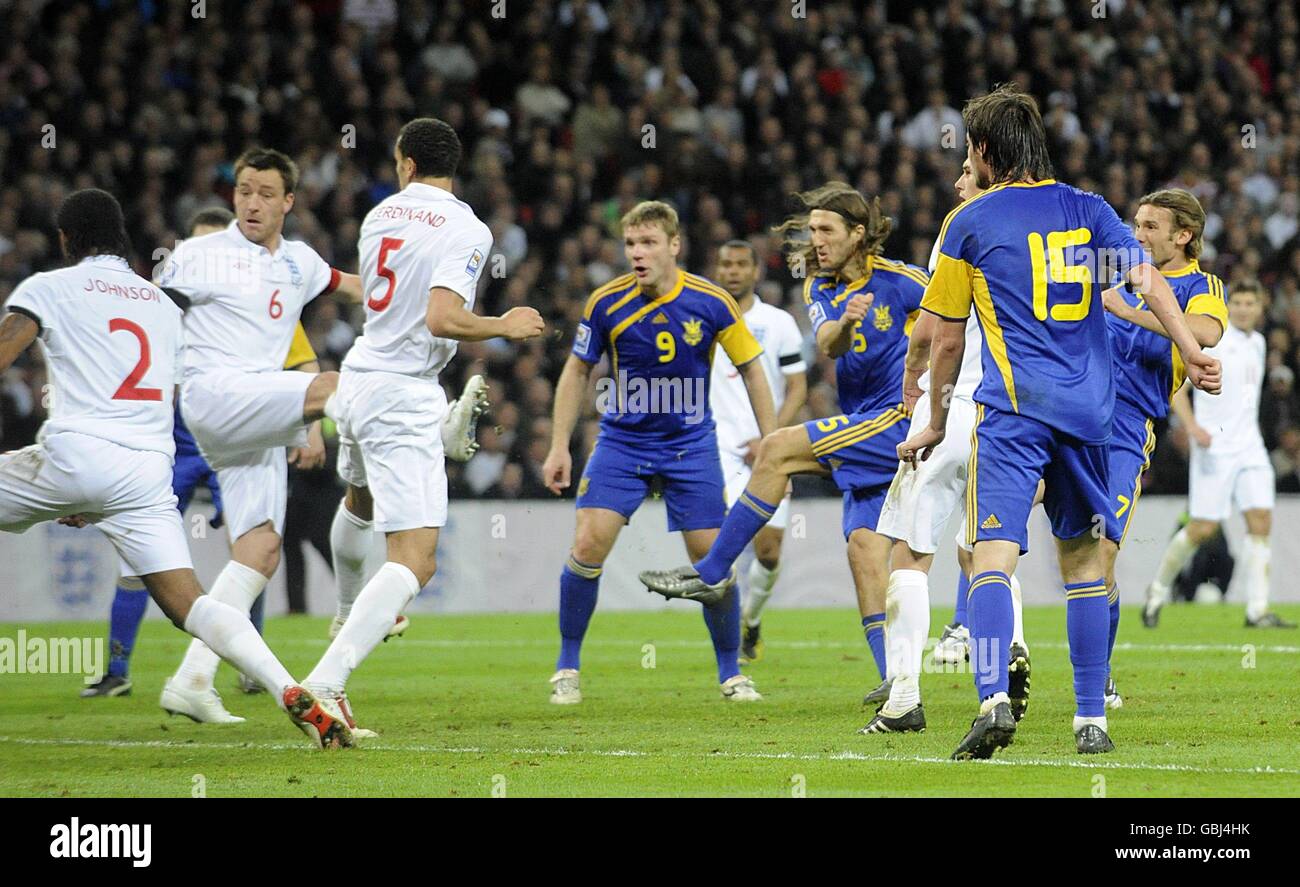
[(390, 440), (921, 501), (126, 493), (1218, 481)]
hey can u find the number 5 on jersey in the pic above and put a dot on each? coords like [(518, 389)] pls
[(386, 245)]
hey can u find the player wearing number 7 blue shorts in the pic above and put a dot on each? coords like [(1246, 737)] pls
[(860, 305), (1028, 256), (1148, 369)]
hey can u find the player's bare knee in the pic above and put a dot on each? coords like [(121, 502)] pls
[(1199, 531), (259, 549), (589, 547), (1259, 522), (318, 392), (767, 548), (359, 502)]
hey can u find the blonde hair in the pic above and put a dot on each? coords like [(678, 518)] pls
[(1187, 212), (850, 205), (652, 212)]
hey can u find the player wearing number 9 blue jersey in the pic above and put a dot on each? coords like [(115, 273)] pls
[(1028, 256), (658, 327)]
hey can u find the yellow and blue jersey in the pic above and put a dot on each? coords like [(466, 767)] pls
[(660, 352), (869, 374), (1033, 258), (1148, 366)]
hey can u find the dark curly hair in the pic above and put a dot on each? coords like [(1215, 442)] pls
[(92, 225), (433, 145)]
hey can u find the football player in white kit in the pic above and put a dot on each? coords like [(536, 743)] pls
[(1230, 465), (243, 290), (112, 342), (920, 503), (738, 436), (422, 252)]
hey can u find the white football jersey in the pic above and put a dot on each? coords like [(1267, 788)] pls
[(244, 301), (113, 346), (782, 355), (972, 360), (418, 238), (1232, 416)]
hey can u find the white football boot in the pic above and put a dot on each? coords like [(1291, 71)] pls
[(740, 689), (460, 427), (401, 625), (564, 687), (200, 706), (954, 645)]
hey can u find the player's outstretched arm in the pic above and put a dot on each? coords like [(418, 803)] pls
[(17, 332), (569, 390), (918, 357), (945, 363), (448, 318), (348, 288), (834, 337), (760, 396), (1205, 329), (1181, 405), (1203, 371), (796, 395)]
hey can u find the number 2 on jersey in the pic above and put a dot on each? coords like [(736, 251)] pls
[(387, 245), (129, 389)]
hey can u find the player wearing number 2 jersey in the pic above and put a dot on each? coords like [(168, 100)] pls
[(1029, 255), (243, 290), (422, 253), (112, 341)]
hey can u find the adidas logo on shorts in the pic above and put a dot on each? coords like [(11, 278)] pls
[(660, 318), (991, 523)]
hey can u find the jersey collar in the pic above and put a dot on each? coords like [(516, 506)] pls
[(427, 191), (117, 262), (1191, 268)]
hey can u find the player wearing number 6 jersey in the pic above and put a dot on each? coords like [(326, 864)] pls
[(422, 253), (243, 290), (112, 341), (1029, 254)]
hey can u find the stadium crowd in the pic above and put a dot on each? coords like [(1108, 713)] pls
[(572, 111)]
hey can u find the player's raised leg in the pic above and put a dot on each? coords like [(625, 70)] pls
[(782, 454)]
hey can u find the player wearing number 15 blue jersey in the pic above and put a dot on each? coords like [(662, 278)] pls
[(1028, 256)]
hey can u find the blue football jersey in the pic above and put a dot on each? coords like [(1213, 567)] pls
[(1148, 366), (1033, 259), (660, 353), (869, 375)]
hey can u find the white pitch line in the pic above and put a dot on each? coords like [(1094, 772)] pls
[(633, 753), (794, 645)]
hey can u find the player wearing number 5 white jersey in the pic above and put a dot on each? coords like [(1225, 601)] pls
[(422, 252), (112, 343), (738, 435), (243, 290), (1230, 465)]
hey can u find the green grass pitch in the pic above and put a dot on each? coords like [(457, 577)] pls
[(460, 705)]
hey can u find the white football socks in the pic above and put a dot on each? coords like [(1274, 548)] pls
[(237, 586), (375, 611), (1017, 615), (222, 628), (761, 581), (1080, 723), (350, 541), (1177, 553), (907, 625), (1258, 555)]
